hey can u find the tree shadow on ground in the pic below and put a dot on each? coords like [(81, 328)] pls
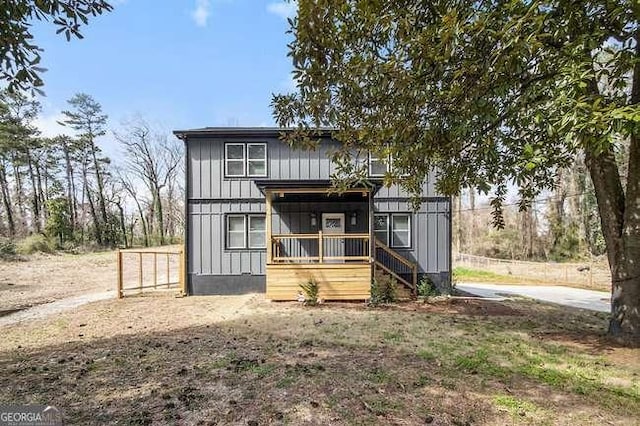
[(336, 364)]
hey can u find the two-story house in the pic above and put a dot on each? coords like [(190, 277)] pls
[(260, 217)]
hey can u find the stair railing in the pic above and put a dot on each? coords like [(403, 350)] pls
[(403, 270)]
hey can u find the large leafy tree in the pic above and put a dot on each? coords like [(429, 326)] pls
[(489, 93), (19, 55)]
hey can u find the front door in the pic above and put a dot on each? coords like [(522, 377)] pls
[(333, 247)]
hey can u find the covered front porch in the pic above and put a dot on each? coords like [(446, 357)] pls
[(314, 233)]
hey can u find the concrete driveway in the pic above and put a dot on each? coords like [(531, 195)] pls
[(578, 298)]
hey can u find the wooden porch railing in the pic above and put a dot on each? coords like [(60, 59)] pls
[(403, 270), (319, 248)]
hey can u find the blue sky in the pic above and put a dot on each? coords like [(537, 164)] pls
[(179, 63)]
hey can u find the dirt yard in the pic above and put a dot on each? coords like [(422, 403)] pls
[(45, 278), (159, 359)]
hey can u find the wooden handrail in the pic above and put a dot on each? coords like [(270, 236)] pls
[(393, 274), (321, 238), (325, 235), (394, 254), (300, 236), (354, 236)]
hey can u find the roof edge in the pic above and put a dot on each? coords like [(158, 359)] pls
[(244, 131)]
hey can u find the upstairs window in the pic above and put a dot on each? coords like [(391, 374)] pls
[(245, 159), (234, 159), (378, 167)]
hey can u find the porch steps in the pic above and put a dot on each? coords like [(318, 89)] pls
[(404, 290)]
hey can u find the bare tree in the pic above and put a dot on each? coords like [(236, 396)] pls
[(151, 157)]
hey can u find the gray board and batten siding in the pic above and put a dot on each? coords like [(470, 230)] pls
[(211, 196)]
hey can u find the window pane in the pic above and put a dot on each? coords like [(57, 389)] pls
[(257, 223), (401, 235), (333, 223), (257, 239), (400, 223), (380, 222), (257, 168), (235, 239), (256, 152), (377, 167), (236, 223), (401, 239), (382, 236), (235, 152), (235, 168)]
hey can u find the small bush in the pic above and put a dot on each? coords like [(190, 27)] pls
[(311, 291), (426, 288), (383, 289), (7, 248), (36, 243)]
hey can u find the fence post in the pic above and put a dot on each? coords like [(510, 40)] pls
[(119, 262), (140, 272), (181, 279)]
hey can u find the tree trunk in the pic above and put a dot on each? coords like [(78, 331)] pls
[(101, 202), (71, 189), (97, 227), (159, 216), (19, 196), (6, 200), (35, 200), (143, 222), (123, 227), (621, 229)]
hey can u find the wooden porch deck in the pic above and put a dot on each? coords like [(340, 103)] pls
[(337, 281)]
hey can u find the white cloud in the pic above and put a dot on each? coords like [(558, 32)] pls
[(201, 13), (284, 9), (49, 127)]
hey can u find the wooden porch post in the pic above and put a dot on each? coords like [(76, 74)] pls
[(320, 247), (268, 226), (372, 242)]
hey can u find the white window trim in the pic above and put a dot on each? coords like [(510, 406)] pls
[(244, 231), (264, 231), (256, 159), (372, 159), (245, 159), (388, 227), (391, 241), (227, 159)]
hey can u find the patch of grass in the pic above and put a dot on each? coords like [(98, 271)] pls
[(380, 406), (515, 406), (468, 274), (262, 370), (36, 243), (379, 375), (426, 355), (393, 336)]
